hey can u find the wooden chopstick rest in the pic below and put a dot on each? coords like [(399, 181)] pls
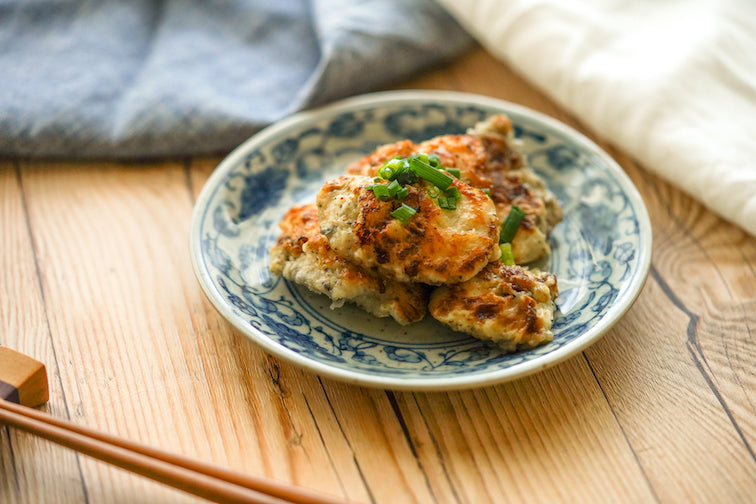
[(23, 380)]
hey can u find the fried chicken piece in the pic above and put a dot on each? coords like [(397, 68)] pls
[(509, 305), (512, 182), (435, 246), (370, 164), (488, 157), (303, 255)]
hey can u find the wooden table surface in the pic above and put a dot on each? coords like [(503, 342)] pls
[(97, 283)]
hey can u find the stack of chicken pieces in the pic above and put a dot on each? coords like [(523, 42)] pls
[(348, 246)]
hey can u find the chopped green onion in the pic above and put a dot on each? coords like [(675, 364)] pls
[(403, 213), (377, 179), (402, 193), (427, 172), (487, 190), (390, 167), (453, 192), (433, 192), (447, 203), (511, 224), (434, 160), (395, 163), (406, 177), (393, 187), (507, 257), (381, 192), (453, 172), (422, 156)]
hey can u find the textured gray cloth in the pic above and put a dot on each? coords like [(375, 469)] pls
[(140, 78)]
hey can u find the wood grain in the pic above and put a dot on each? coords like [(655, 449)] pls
[(29, 468), (376, 430), (97, 283), (683, 373)]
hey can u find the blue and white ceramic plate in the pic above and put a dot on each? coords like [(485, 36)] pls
[(601, 250)]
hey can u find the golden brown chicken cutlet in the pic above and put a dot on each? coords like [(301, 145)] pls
[(303, 255), (413, 217), (508, 305), (435, 246), (489, 158)]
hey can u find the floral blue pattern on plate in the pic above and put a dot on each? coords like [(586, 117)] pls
[(601, 250)]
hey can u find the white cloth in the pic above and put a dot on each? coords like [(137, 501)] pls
[(671, 82)]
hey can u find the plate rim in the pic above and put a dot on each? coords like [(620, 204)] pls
[(425, 383)]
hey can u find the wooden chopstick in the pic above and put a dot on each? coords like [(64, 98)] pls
[(211, 482)]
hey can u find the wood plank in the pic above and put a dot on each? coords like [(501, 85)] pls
[(498, 444), (302, 395), (126, 312), (367, 421), (104, 235), (30, 469), (677, 378), (700, 260), (679, 431)]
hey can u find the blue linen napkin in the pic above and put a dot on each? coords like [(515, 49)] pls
[(116, 79)]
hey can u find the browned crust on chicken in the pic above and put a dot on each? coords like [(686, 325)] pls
[(303, 255), (509, 305), (434, 246), (370, 164), (349, 247), (488, 157)]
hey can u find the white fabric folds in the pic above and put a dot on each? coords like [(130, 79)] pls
[(673, 83)]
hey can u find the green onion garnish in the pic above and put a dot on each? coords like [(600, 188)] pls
[(453, 192), (507, 257), (390, 167), (403, 213), (427, 172), (406, 177), (487, 190), (453, 171), (447, 203), (381, 192), (422, 156), (393, 187), (395, 163), (511, 224), (406, 171)]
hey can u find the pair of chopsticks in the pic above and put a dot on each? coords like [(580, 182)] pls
[(215, 483)]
